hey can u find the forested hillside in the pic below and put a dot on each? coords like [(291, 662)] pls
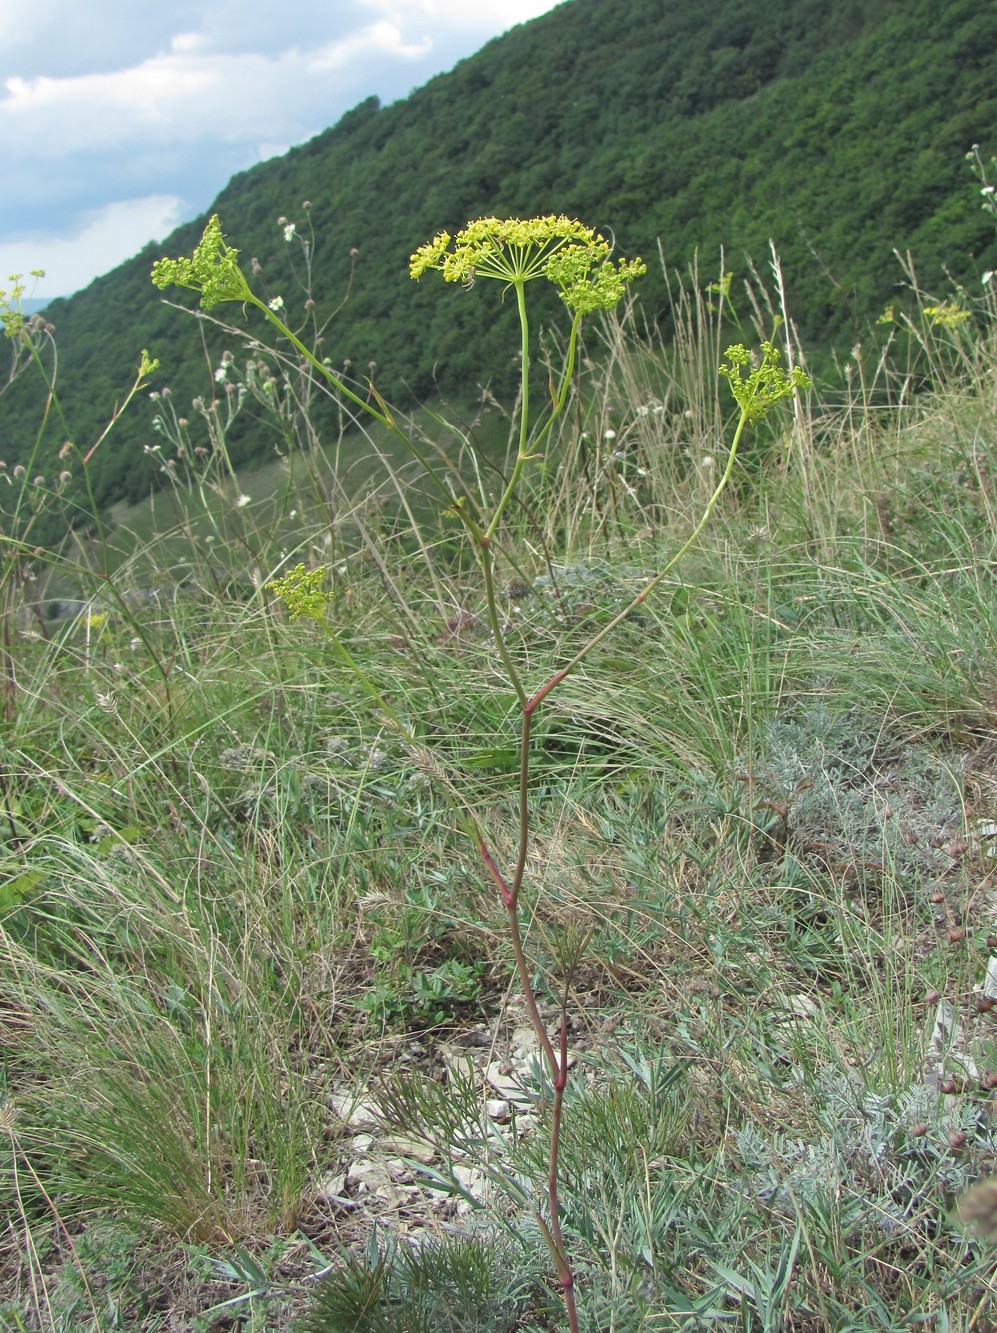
[(837, 128)]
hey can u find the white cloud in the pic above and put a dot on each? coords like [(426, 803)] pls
[(183, 42), (190, 95), (113, 234), (105, 108), (494, 15), (383, 37)]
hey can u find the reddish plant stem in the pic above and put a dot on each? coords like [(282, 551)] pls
[(557, 1061), (509, 898), (565, 1275)]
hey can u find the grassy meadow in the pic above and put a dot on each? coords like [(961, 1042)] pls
[(262, 1062)]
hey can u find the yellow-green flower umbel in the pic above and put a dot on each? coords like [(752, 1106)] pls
[(757, 385), (515, 251), (303, 592), (213, 270)]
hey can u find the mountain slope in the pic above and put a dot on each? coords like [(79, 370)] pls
[(836, 128)]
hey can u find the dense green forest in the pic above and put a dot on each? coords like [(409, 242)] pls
[(835, 128)]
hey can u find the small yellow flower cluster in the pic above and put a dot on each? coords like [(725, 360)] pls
[(302, 592), (585, 286), (11, 316), (508, 248), (947, 314), (757, 387), (213, 270), (516, 250)]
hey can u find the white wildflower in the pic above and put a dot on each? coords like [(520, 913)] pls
[(277, 303)]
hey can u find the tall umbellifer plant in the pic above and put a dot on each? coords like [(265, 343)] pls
[(514, 252)]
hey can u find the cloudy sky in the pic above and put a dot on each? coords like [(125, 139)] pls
[(119, 120)]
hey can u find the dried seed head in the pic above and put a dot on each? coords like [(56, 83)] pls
[(957, 1139), (978, 1207)]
